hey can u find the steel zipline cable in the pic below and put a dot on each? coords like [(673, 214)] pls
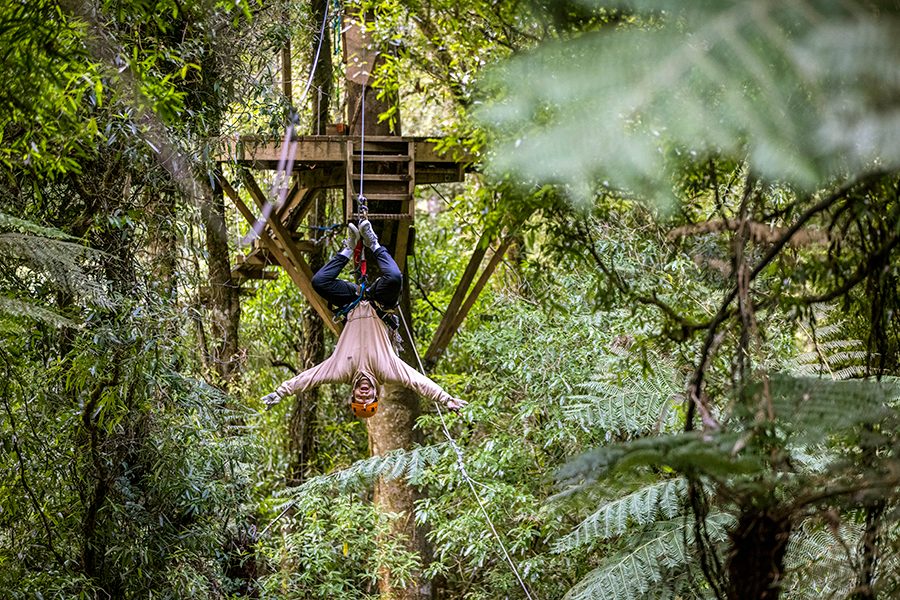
[(465, 473)]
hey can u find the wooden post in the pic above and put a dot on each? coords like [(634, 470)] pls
[(454, 324), (434, 349)]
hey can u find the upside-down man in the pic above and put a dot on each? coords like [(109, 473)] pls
[(364, 355)]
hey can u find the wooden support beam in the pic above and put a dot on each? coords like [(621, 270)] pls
[(473, 295), (434, 350), (289, 200), (306, 203), (286, 254)]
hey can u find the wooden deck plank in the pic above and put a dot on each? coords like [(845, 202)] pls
[(318, 149)]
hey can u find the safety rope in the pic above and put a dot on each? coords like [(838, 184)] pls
[(347, 308), (462, 469), (362, 204)]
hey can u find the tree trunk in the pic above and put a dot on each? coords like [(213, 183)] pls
[(393, 426), (756, 563), (162, 245), (303, 423), (223, 302)]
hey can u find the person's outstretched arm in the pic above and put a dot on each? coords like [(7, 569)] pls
[(412, 379), (328, 371)]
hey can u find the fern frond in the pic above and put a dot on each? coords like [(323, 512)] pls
[(614, 518), (20, 308), (832, 356), (60, 262), (409, 464), (684, 453), (807, 88), (631, 575), (816, 407), (817, 562), (10, 223), (640, 404)]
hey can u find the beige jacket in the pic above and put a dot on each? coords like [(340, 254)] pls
[(364, 346)]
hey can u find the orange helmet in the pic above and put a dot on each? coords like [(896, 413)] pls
[(363, 410)]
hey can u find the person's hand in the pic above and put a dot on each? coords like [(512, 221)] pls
[(368, 235), (455, 404), (350, 240), (271, 400)]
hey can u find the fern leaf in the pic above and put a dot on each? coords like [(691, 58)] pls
[(60, 262), (808, 88), (631, 575), (614, 518), (391, 465), (638, 405), (817, 406), (10, 223), (20, 308), (817, 563)]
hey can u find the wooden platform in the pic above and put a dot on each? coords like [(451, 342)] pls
[(385, 169), (388, 169), (326, 155)]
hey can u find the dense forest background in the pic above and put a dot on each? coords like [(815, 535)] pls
[(681, 377)]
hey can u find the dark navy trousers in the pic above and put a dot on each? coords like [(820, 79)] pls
[(385, 291)]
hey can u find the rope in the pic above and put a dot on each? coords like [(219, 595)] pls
[(462, 469), (345, 310), (361, 203)]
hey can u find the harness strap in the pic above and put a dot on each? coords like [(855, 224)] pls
[(359, 259), (345, 310)]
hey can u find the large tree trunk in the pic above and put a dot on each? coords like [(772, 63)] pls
[(756, 562), (223, 302), (162, 244), (393, 426), (303, 423)]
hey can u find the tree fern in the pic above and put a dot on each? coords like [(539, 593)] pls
[(817, 561), (20, 308), (638, 404), (641, 507), (815, 407), (808, 89), (409, 464), (631, 575), (830, 354)]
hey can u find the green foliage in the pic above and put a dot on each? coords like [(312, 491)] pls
[(819, 560), (334, 551), (135, 465), (647, 561), (628, 403), (813, 408), (408, 464), (654, 502), (802, 90)]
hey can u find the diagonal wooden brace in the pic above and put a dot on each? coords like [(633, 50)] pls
[(282, 247), (463, 299)]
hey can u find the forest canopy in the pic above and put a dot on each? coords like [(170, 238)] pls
[(651, 244)]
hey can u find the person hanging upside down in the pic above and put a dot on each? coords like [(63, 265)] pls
[(364, 355)]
